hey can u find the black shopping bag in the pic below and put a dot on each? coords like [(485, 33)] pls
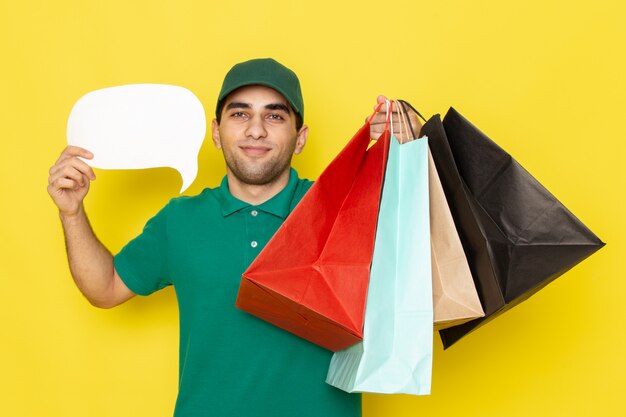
[(516, 235)]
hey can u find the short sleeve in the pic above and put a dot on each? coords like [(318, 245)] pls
[(142, 263)]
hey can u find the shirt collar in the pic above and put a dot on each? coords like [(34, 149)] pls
[(279, 205)]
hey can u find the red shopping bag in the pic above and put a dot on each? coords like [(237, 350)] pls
[(312, 277)]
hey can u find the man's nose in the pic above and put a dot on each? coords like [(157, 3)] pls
[(256, 128)]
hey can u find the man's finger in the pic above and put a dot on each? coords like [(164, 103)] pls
[(380, 99), (77, 164), (72, 151), (70, 173), (78, 151), (84, 168), (381, 118), (62, 184)]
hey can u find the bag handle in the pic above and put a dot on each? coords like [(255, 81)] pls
[(388, 115), (406, 119), (406, 104), (405, 123)]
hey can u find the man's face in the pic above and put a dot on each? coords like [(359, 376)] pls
[(257, 134)]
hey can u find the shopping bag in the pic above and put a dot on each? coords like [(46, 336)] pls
[(516, 235), (455, 299), (396, 353), (312, 277)]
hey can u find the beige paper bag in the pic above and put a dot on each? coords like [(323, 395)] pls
[(455, 299)]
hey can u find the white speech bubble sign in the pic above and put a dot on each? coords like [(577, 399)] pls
[(140, 126)]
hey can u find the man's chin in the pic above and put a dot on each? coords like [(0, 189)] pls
[(265, 177)]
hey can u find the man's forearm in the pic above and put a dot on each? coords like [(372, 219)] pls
[(91, 264)]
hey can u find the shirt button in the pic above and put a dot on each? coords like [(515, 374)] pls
[(254, 213), (253, 244)]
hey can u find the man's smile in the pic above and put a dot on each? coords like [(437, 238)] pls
[(255, 150)]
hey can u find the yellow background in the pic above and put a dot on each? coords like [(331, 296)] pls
[(545, 79)]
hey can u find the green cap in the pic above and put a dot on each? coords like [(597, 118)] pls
[(267, 72)]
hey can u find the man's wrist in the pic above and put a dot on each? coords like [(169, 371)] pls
[(72, 216)]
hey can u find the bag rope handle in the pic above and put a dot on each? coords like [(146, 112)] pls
[(388, 113)]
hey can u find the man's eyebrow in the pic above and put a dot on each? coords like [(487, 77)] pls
[(238, 105), (277, 106)]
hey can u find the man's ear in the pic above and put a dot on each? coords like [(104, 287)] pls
[(303, 134), (215, 128)]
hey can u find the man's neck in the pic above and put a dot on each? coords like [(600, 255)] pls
[(256, 194)]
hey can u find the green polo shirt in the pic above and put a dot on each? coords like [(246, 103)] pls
[(231, 363)]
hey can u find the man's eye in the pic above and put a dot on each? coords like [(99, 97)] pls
[(238, 114), (275, 116)]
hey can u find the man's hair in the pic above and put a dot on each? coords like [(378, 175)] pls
[(218, 115)]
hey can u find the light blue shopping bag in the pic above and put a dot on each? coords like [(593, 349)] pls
[(396, 353)]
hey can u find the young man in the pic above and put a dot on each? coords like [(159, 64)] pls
[(231, 363)]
